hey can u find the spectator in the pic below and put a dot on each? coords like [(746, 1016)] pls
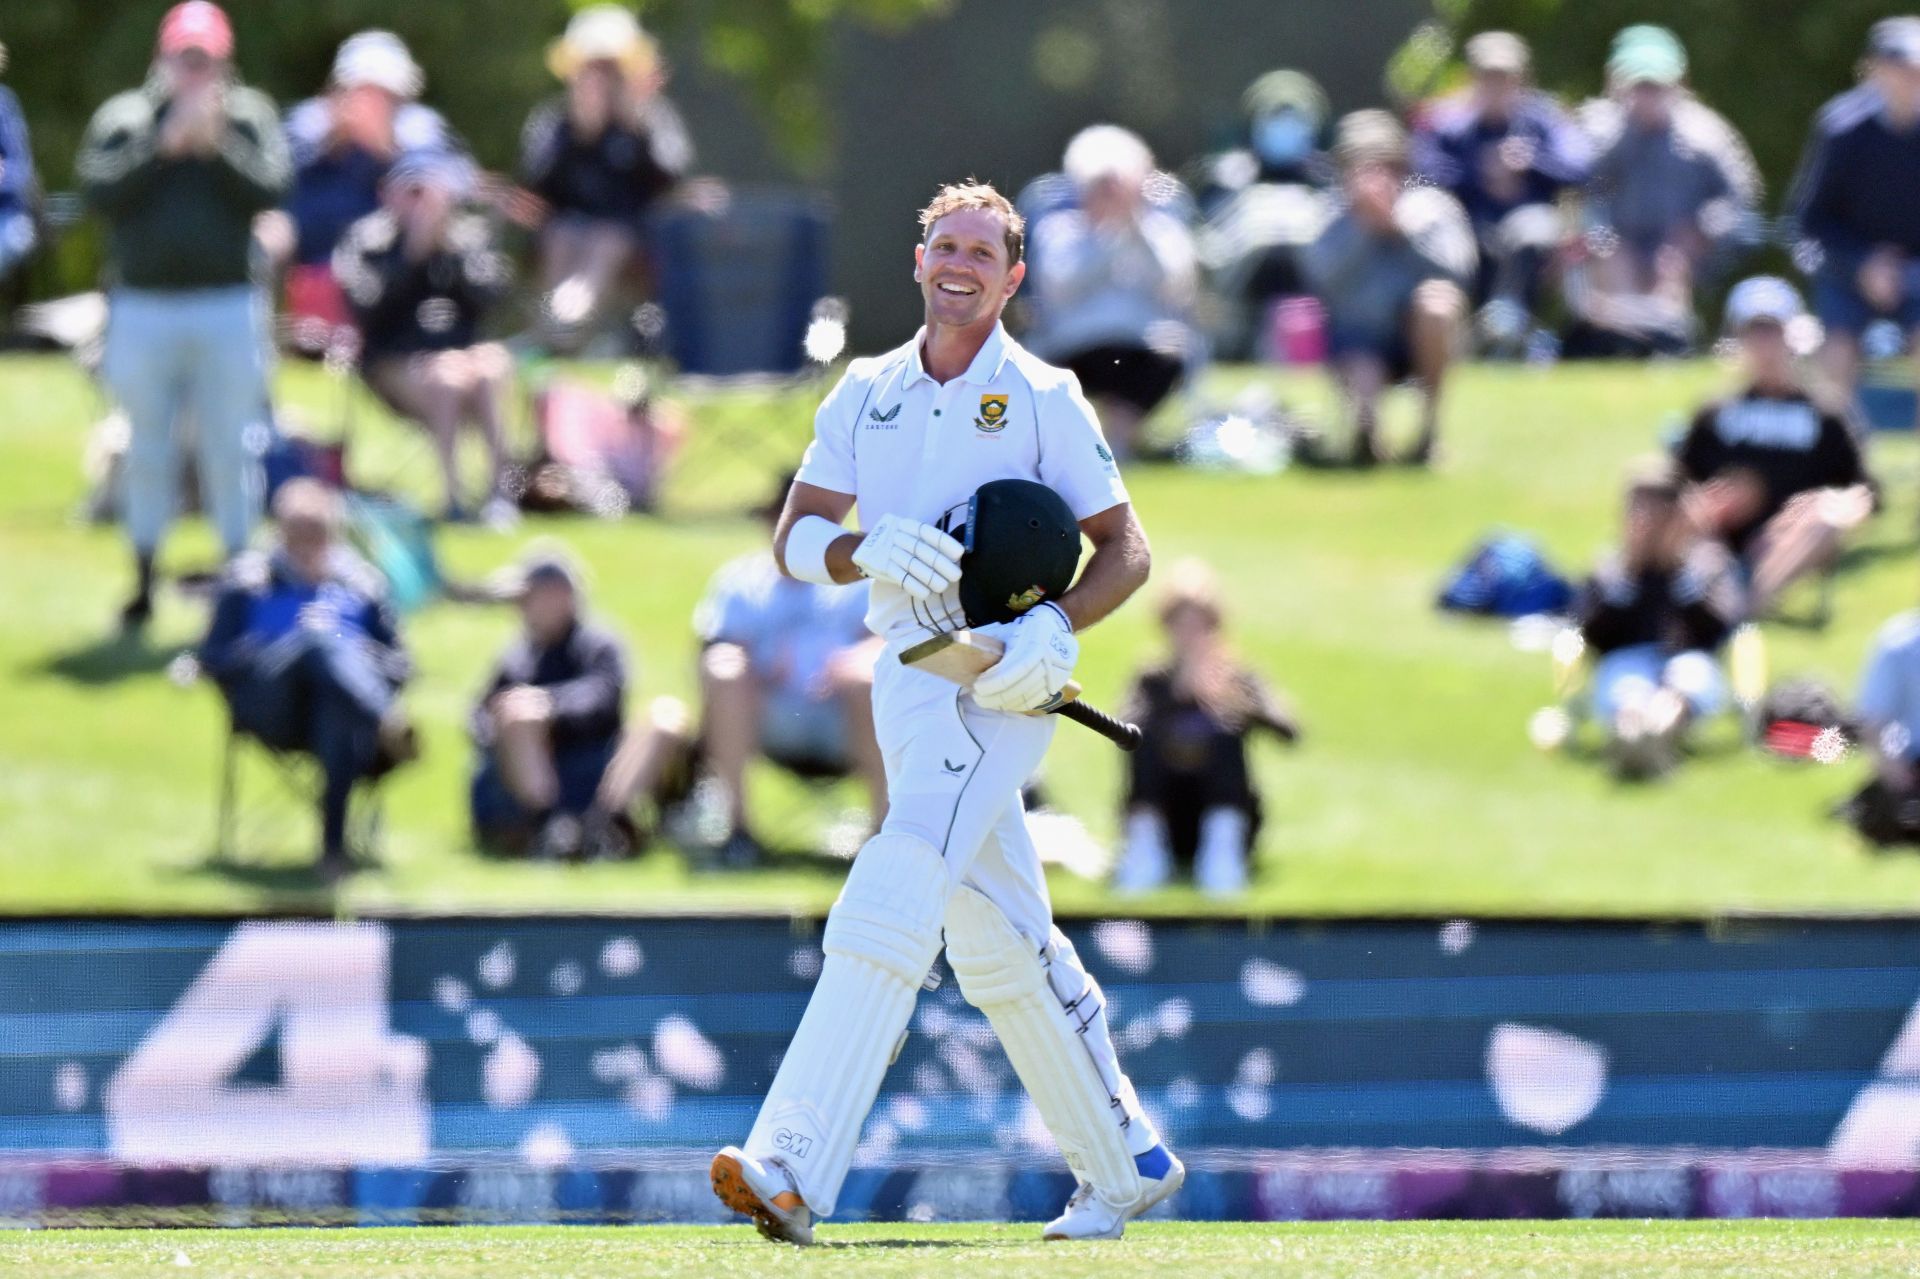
[(1191, 801), (1507, 152), (421, 275), (1654, 613), (1857, 201), (1389, 269), (343, 143), (549, 726), (1778, 480), (1887, 811), (308, 654), (179, 168), (1113, 283), (600, 156), (18, 233), (1264, 202), (786, 671), (1671, 201)]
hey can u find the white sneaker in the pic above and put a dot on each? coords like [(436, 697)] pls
[(765, 1192), (1220, 871), (1145, 863), (1088, 1216)]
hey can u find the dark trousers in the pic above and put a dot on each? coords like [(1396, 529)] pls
[(1189, 770), (322, 695)]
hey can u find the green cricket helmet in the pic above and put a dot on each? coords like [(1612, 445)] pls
[(1022, 546)]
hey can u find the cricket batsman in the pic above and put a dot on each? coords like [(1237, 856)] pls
[(909, 436)]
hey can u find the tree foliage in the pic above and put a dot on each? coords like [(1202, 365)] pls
[(484, 59)]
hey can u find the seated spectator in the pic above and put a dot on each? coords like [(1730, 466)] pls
[(1191, 801), (178, 169), (308, 654), (1112, 281), (786, 672), (343, 143), (1777, 479), (1264, 202), (1857, 201), (1506, 152), (600, 156), (18, 233), (1670, 204), (1390, 270), (1653, 614), (420, 276), (549, 726), (1887, 811)]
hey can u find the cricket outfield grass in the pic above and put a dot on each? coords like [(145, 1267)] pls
[(1160, 1250)]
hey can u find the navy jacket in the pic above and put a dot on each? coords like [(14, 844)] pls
[(585, 674), (260, 600), (1449, 152), (1859, 182)]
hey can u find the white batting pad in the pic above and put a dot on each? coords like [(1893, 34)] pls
[(881, 938), (1051, 1018)]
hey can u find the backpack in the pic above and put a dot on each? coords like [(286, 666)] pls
[(1506, 576)]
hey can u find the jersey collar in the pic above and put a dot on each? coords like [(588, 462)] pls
[(986, 364)]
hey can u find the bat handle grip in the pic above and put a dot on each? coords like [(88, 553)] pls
[(1124, 735)]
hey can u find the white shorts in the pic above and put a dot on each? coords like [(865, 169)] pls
[(954, 773)]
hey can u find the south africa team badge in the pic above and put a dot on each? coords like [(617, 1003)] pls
[(993, 413)]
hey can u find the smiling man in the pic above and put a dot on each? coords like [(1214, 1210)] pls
[(910, 435)]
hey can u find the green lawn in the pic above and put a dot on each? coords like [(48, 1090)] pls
[(1415, 791), (1366, 1250)]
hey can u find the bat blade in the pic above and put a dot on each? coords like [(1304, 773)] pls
[(961, 657)]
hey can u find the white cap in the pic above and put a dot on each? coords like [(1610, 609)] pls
[(603, 32), (1763, 297), (380, 59), (1106, 150)]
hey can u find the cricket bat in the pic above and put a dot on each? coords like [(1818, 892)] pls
[(962, 656)]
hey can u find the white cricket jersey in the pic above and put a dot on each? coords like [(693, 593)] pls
[(903, 444)]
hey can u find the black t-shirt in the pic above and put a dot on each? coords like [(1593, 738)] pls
[(614, 176), (407, 306), (1695, 605), (1789, 442)]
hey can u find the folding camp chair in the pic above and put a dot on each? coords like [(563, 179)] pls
[(298, 778)]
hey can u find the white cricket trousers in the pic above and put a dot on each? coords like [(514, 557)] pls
[(954, 774)]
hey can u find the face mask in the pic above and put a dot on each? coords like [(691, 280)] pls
[(1284, 138)]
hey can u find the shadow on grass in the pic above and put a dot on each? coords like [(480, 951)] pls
[(106, 661), (1865, 554), (858, 1245), (284, 886)]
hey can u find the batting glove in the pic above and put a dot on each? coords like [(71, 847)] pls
[(918, 558), (1041, 651)]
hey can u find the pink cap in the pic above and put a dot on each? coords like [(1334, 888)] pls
[(197, 24)]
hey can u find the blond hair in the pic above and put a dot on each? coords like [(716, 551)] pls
[(956, 196), (1191, 583)]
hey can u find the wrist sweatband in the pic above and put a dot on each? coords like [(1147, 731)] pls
[(807, 543)]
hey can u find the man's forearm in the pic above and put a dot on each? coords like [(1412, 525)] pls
[(1117, 569)]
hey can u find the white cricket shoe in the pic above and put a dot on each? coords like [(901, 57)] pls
[(1088, 1216), (764, 1191)]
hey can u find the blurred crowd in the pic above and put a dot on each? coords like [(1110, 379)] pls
[(1495, 221)]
